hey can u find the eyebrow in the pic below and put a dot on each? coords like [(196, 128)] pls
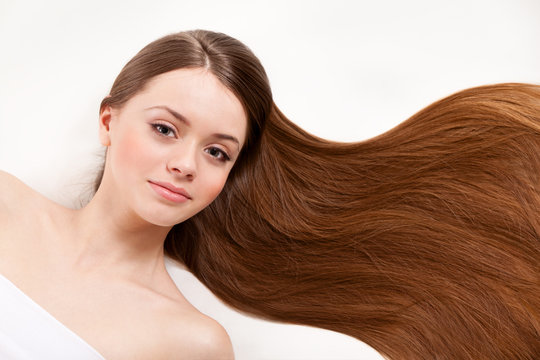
[(183, 119), (176, 114)]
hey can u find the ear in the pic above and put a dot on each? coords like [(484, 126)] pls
[(105, 117)]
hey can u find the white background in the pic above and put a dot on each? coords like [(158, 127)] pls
[(343, 70)]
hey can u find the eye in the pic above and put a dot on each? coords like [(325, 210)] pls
[(218, 154), (164, 130)]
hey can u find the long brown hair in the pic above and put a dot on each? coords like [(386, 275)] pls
[(422, 242)]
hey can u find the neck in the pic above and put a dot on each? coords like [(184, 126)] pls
[(106, 236)]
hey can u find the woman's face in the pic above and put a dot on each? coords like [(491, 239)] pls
[(172, 145)]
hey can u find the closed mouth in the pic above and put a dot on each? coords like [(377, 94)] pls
[(172, 188)]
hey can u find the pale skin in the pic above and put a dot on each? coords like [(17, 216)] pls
[(100, 270)]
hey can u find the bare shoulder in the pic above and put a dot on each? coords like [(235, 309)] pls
[(193, 335), (7, 179), (22, 209), (13, 193), (214, 341)]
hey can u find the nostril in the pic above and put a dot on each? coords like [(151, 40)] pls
[(187, 173)]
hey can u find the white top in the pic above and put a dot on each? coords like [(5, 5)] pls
[(29, 332)]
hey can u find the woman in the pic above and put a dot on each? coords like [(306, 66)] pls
[(421, 242), (100, 270)]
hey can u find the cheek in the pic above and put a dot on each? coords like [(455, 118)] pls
[(213, 185), (132, 152)]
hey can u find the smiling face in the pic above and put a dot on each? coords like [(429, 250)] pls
[(172, 145)]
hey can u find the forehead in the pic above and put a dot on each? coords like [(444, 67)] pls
[(200, 97)]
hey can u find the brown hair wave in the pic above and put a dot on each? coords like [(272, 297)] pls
[(422, 242)]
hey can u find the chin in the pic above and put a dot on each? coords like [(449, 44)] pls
[(165, 222), (165, 218)]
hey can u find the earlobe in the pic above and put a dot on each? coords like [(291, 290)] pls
[(104, 123)]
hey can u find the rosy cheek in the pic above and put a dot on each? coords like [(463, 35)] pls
[(132, 150), (129, 142), (214, 188)]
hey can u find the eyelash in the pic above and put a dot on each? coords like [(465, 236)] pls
[(222, 156), (157, 126)]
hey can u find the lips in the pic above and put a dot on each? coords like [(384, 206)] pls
[(169, 191)]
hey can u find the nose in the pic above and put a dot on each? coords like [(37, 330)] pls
[(182, 162)]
